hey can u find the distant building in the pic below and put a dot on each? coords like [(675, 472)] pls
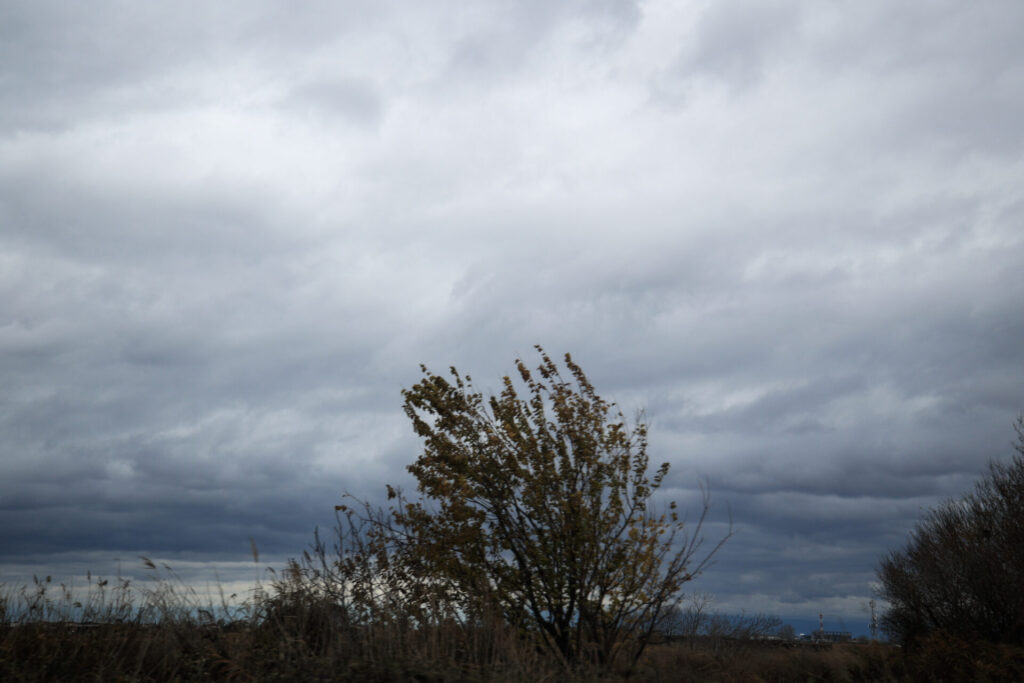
[(833, 636)]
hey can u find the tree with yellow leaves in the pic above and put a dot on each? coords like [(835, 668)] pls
[(538, 508)]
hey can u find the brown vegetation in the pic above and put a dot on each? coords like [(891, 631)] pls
[(130, 634), (119, 632), (536, 506)]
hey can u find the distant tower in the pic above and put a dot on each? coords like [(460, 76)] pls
[(874, 622), (821, 624)]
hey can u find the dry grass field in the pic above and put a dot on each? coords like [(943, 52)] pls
[(114, 631)]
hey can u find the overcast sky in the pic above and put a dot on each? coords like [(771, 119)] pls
[(230, 233)]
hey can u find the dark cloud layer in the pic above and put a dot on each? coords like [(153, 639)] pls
[(229, 235)]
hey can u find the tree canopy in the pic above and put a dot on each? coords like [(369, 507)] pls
[(540, 507), (962, 570)]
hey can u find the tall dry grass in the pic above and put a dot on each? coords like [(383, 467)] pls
[(338, 613), (112, 630), (129, 634), (289, 630)]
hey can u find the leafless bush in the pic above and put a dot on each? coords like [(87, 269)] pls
[(962, 570)]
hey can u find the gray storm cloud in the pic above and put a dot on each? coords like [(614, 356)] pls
[(229, 235)]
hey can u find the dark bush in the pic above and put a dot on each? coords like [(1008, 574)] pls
[(962, 571)]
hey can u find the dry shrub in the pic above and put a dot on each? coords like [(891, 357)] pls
[(942, 656), (757, 662)]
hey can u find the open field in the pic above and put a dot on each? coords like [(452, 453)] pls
[(293, 649), (115, 631), (289, 650)]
